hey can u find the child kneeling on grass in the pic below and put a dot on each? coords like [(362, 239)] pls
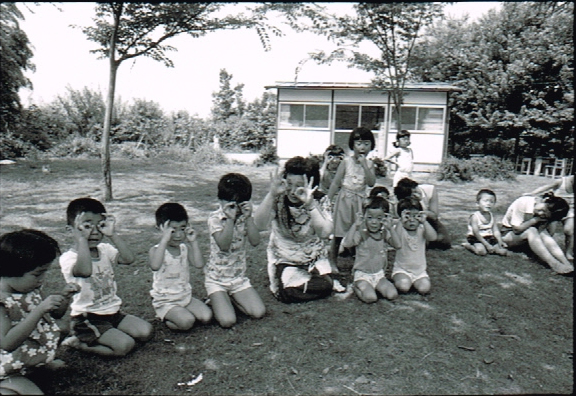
[(483, 232), (30, 333), (410, 262), (98, 325), (225, 273), (170, 260), (371, 235)]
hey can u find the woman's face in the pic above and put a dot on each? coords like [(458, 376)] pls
[(292, 183)]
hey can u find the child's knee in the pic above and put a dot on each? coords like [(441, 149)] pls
[(423, 285), (402, 284), (480, 250), (258, 312)]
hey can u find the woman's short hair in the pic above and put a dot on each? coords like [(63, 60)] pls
[(557, 206), (404, 188), (302, 166)]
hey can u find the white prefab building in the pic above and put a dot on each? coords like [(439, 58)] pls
[(311, 116)]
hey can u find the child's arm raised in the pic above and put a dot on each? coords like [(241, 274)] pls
[(125, 255), (429, 232), (81, 232), (195, 254), (251, 229), (353, 236), (224, 237), (393, 239), (156, 253), (369, 173), (13, 337)]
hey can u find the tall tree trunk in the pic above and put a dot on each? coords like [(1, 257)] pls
[(105, 155)]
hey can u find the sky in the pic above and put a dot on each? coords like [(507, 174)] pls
[(62, 59)]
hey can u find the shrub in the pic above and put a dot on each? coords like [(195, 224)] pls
[(380, 167), (267, 156), (130, 150), (76, 146), (489, 167), (12, 146), (206, 154)]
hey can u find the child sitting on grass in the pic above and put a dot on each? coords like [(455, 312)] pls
[(98, 325), (410, 262), (170, 260), (483, 232), (30, 333), (225, 274), (371, 235)]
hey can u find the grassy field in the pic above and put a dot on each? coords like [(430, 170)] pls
[(491, 325)]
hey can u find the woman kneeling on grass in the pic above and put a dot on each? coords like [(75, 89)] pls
[(529, 219), (298, 265)]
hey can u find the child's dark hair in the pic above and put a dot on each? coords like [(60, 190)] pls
[(25, 250), (379, 191), (557, 206), (234, 187), (404, 188), (400, 135), (408, 204), (80, 205), (170, 211), (334, 150), (302, 166), (376, 202), (361, 133), (485, 191)]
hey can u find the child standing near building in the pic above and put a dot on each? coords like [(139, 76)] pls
[(354, 175), (225, 274), (410, 263), (483, 232), (30, 334), (98, 325), (333, 155), (404, 157), (372, 235), (170, 260)]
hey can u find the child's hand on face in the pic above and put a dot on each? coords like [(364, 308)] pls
[(387, 222), (362, 159), (166, 230), (106, 226), (230, 210), (246, 208), (190, 233), (421, 216), (81, 228)]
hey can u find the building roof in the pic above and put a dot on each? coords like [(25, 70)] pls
[(422, 86)]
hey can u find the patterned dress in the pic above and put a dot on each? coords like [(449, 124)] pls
[(40, 346)]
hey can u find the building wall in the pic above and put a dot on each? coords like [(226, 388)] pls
[(428, 145)]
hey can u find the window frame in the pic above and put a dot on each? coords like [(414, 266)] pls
[(384, 107), (304, 127), (392, 124)]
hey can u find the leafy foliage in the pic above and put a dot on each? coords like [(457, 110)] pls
[(516, 68), (464, 170), (268, 155), (15, 58)]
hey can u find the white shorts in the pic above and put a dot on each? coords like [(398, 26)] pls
[(232, 287), (163, 304), (372, 279), (413, 277)]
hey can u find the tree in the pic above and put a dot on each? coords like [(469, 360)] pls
[(15, 58), (516, 68), (393, 28), (227, 101), (128, 30)]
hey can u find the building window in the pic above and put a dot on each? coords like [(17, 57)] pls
[(304, 116), (349, 117), (417, 118)]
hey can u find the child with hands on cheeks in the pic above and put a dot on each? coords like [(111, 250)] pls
[(225, 273), (483, 232), (355, 173), (170, 261), (28, 326), (410, 262), (372, 233), (98, 325)]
